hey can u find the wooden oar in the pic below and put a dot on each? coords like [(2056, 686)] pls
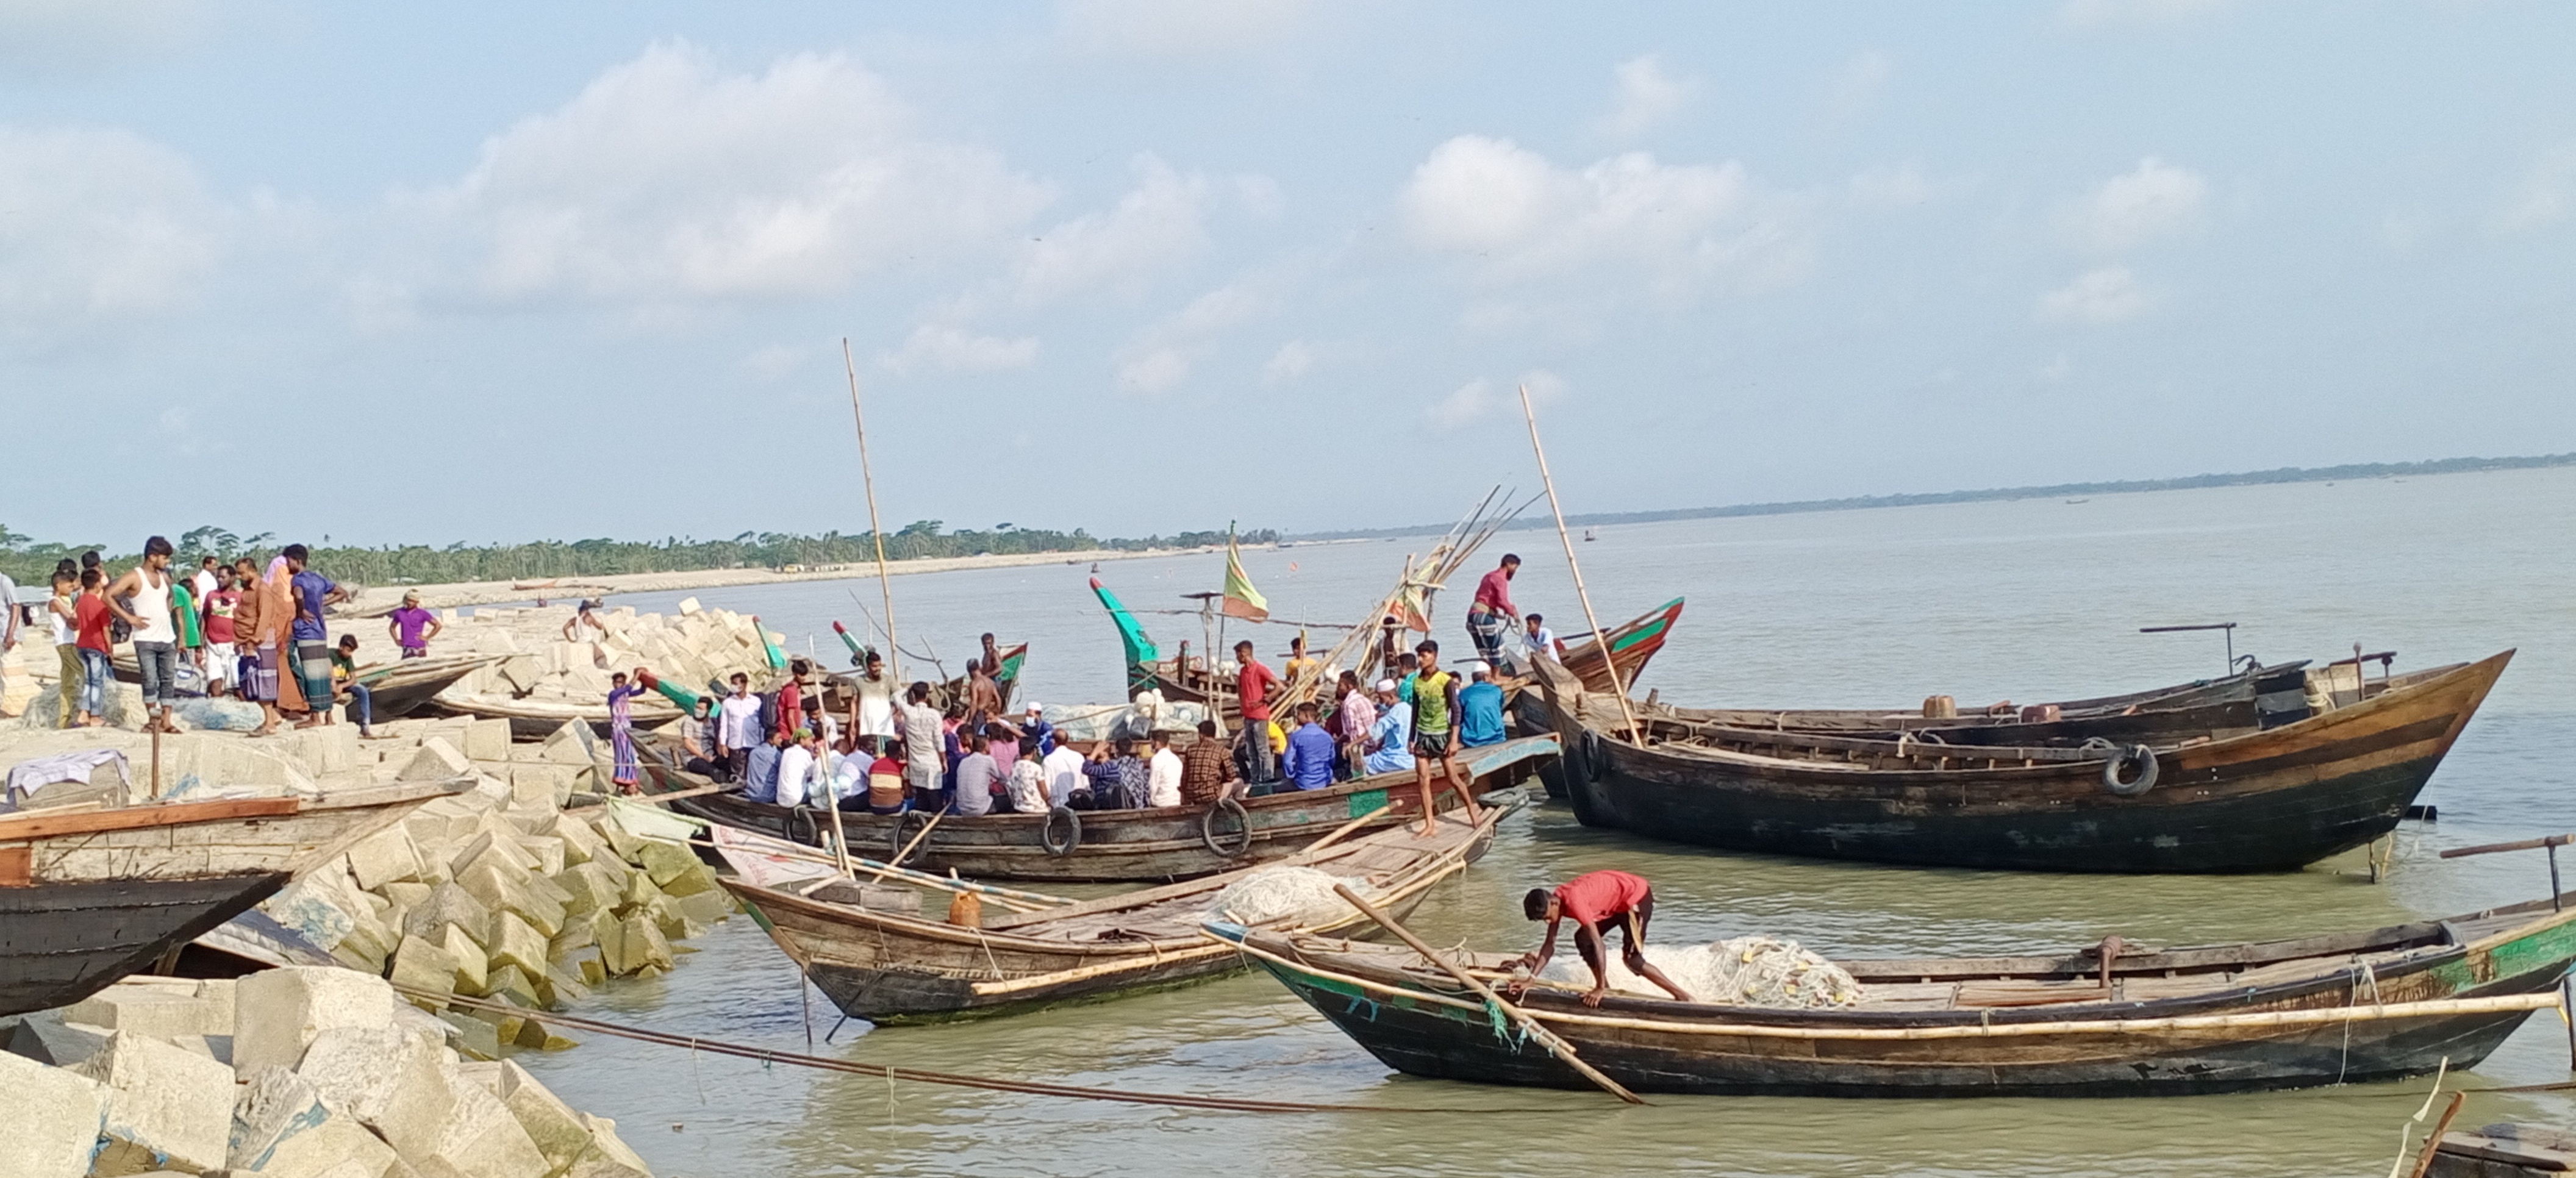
[(1547, 1038), (1338, 832)]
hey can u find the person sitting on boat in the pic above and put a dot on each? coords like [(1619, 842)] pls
[(1595, 901), (797, 771), (1540, 639), (1310, 752), (1029, 782), (1035, 731), (1357, 713), (1064, 775), (760, 768), (700, 739), (1118, 778), (885, 779), (1492, 604), (978, 778), (1298, 661), (1480, 709), (1390, 741), (1207, 770)]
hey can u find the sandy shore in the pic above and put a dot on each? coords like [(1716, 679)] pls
[(376, 600)]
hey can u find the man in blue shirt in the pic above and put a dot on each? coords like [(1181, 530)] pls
[(312, 593), (1480, 709), (760, 772), (1310, 751), (1391, 740), (1036, 731)]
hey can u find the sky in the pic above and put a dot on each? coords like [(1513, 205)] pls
[(480, 272)]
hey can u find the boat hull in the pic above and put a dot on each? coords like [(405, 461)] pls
[(62, 942), (1117, 846), (2267, 801)]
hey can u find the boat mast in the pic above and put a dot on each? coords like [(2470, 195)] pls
[(1609, 657)]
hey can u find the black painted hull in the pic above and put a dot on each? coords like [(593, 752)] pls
[(62, 942)]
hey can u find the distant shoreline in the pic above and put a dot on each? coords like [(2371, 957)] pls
[(2287, 474)]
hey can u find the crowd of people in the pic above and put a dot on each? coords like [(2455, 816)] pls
[(889, 751), (224, 630)]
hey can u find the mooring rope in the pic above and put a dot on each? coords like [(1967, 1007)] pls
[(891, 1073)]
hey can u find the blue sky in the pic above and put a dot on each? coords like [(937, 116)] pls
[(487, 272)]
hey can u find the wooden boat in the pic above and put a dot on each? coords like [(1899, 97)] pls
[(1109, 846), (891, 966), (2376, 1005), (2223, 800), (402, 687), (536, 719), (88, 896), (838, 689)]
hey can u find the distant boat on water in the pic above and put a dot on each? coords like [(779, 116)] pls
[(1589, 535), (2079, 501)]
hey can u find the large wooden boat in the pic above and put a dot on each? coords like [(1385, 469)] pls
[(88, 896), (1111, 846), (2375, 1005), (2225, 799), (888, 966), (839, 689)]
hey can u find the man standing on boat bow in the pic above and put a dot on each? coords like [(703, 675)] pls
[(1596, 901)]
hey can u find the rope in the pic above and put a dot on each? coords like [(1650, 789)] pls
[(892, 1073)]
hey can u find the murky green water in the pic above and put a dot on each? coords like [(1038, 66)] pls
[(2029, 600)]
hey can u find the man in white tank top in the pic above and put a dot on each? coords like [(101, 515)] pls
[(156, 632)]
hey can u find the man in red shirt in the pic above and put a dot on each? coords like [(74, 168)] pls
[(1255, 684), (1493, 603), (1594, 900), (91, 616)]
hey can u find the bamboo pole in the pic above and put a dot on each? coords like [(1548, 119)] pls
[(2433, 1140), (1609, 658), (876, 529), (1547, 1038)]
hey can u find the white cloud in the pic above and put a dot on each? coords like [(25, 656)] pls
[(935, 347), (1473, 401), (50, 38), (1645, 95), (667, 180), (2129, 210), (1153, 372), (1159, 227), (1293, 359), (98, 225), (1856, 86), (2109, 295), (2546, 196), (1684, 226), (1177, 28), (2108, 14)]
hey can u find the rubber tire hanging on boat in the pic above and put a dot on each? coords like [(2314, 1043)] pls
[(904, 829), (1242, 824), (1072, 831), (2142, 757)]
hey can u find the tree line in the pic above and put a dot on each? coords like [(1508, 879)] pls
[(30, 562)]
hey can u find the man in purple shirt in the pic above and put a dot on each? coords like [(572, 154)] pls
[(412, 627), (1310, 751), (313, 593)]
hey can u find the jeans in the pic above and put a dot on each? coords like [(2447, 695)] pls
[(362, 706), (1253, 755), (96, 674), (160, 663)]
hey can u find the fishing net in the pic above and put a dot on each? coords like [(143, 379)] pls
[(1744, 971), (1280, 893)]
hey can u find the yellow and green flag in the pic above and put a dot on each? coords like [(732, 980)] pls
[(1241, 599)]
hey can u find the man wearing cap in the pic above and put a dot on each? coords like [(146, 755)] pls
[(796, 776), (1035, 732), (1480, 709), (411, 627), (1390, 743)]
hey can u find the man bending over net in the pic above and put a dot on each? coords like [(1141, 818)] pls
[(1595, 901)]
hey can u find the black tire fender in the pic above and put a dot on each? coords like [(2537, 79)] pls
[(1242, 827), (904, 829), (1061, 816), (2136, 757)]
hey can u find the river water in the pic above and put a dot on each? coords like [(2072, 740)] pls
[(2029, 600)]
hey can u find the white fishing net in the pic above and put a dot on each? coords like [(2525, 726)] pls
[(1278, 893), (1744, 971)]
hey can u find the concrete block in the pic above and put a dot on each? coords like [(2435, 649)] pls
[(314, 909), (571, 743), (552, 1126), (448, 904), (472, 965), (515, 942), (693, 879), (283, 1128), (278, 1012), (637, 945), (471, 1037), (218, 1048), (639, 892), (664, 861), (48, 1038), (54, 1119), (626, 845), (706, 908), (516, 986), (608, 1155), (536, 785), (166, 1107), (422, 966), (496, 842), (384, 857), (576, 935), (158, 1012), (547, 852), (565, 986), (437, 760), (501, 892), (592, 972), (482, 1140), (536, 1036), (588, 888), (487, 740), (533, 823), (396, 1083), (407, 897)]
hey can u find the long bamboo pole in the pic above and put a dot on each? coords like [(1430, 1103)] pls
[(876, 529), (1609, 658), (1556, 1046)]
